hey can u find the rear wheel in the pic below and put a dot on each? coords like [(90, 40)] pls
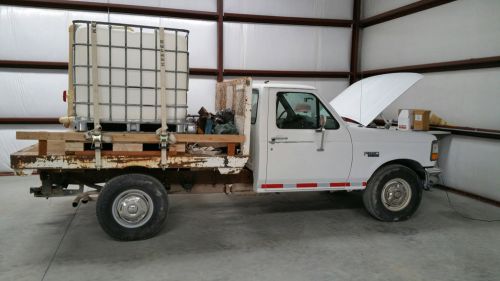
[(132, 207), (393, 193)]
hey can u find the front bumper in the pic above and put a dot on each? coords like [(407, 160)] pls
[(431, 177)]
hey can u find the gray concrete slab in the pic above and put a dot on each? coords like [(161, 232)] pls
[(306, 236)]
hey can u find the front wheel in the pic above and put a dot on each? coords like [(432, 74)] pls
[(393, 193), (132, 207)]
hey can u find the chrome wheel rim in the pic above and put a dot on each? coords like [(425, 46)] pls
[(132, 208), (396, 194)]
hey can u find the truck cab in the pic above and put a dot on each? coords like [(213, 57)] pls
[(300, 143)]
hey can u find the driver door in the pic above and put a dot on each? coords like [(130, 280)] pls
[(296, 158)]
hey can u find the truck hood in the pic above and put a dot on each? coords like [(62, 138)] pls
[(364, 100)]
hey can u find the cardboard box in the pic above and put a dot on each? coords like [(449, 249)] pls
[(413, 119), (421, 119)]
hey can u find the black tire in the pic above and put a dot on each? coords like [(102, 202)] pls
[(372, 196), (148, 189)]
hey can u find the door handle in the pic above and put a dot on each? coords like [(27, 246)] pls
[(277, 139)]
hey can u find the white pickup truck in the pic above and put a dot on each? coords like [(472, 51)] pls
[(297, 142)]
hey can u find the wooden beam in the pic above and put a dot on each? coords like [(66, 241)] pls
[(233, 17), (124, 137), (354, 64), (403, 11), (475, 63), (114, 8), (286, 73)]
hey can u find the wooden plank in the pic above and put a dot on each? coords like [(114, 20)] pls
[(42, 147), (119, 153), (55, 147), (209, 138), (128, 137), (179, 147), (127, 147), (73, 146)]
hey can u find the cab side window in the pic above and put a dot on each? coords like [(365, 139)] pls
[(296, 110)]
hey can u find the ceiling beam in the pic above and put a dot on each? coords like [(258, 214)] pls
[(233, 17), (476, 63), (29, 120), (64, 66), (403, 11), (113, 8), (220, 40), (354, 62), (286, 73)]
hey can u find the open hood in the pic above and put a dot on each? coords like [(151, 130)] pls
[(364, 100)]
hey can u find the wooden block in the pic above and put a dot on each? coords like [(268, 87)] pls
[(175, 148), (42, 147), (73, 146), (231, 149), (55, 147), (179, 147), (127, 147)]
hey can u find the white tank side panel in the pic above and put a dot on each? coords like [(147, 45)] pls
[(454, 31), (120, 77), (330, 9), (280, 47)]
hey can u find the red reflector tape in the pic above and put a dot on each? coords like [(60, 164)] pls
[(364, 183), (64, 96), (339, 184), (309, 184), (272, 185)]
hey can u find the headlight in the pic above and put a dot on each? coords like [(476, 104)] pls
[(434, 151)]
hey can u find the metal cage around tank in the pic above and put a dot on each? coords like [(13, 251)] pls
[(119, 94)]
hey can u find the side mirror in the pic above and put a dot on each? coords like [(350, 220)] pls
[(322, 123)]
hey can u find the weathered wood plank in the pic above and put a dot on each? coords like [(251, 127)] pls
[(231, 149), (127, 147), (42, 147), (129, 137), (73, 146)]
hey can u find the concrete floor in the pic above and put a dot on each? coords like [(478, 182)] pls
[(306, 236)]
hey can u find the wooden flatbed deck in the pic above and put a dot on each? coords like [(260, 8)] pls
[(53, 152)]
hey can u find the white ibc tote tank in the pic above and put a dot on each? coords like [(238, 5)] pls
[(128, 60)]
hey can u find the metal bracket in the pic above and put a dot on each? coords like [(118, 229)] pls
[(163, 147), (96, 138)]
